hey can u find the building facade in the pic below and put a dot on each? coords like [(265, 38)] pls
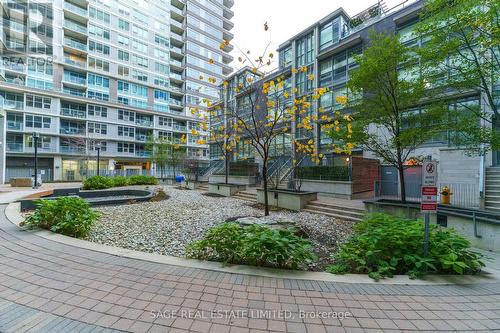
[(107, 75), (327, 50)]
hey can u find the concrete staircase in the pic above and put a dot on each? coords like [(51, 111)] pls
[(492, 189), (335, 210), (247, 196), (202, 187)]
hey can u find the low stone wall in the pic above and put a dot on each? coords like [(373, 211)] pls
[(239, 180), (21, 182), (287, 199), (336, 189), (226, 190), (483, 233)]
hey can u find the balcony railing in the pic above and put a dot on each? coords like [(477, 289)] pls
[(75, 27), (75, 9), (17, 147), (175, 102), (176, 76), (179, 127), (141, 137), (14, 126), (72, 131), (142, 153), (80, 64), (15, 105), (73, 113), (75, 79), (72, 149), (16, 26), (144, 122), (176, 49), (176, 63), (74, 44)]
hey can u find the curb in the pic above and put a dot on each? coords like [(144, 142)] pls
[(12, 212)]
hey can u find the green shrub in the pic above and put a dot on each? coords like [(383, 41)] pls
[(98, 183), (69, 216), (254, 245), (384, 245), (120, 181), (142, 180)]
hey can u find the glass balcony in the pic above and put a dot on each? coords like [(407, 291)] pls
[(144, 122), (14, 126), (13, 105), (176, 63), (176, 49), (15, 26), (75, 44), (176, 76), (80, 64), (15, 147), (179, 127), (73, 113), (75, 27), (75, 79), (72, 131), (142, 153), (72, 149), (75, 9), (141, 137), (175, 102)]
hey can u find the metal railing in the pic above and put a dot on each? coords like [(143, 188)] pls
[(73, 113), (75, 27), (463, 195), (75, 9)]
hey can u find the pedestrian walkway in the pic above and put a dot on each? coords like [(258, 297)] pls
[(47, 286)]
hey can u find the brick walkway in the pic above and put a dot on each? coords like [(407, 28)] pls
[(47, 286)]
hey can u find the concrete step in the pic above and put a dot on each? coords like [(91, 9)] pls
[(497, 209), (318, 203), (335, 215), (245, 197), (335, 211)]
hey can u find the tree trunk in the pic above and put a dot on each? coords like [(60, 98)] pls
[(401, 172), (264, 176), (226, 169)]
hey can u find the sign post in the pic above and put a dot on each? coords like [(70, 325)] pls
[(428, 203)]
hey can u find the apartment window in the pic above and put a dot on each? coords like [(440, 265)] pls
[(98, 128), (37, 121), (124, 56), (99, 15), (98, 81), (161, 54), (98, 95), (98, 31), (162, 68), (132, 89), (38, 102), (124, 147), (126, 115), (162, 41), (39, 66), (329, 34), (143, 33), (98, 47), (162, 26), (140, 61), (123, 25), (126, 131), (43, 141), (97, 111), (123, 10), (286, 57), (123, 71), (165, 121), (122, 40), (98, 64), (161, 95), (161, 82), (165, 135), (139, 76), (103, 145), (139, 46), (140, 16), (305, 50)]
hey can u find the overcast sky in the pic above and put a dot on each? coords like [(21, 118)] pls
[(285, 18)]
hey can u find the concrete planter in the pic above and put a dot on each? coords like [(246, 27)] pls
[(336, 189), (21, 182), (287, 199), (238, 180), (483, 233), (226, 190), (192, 185)]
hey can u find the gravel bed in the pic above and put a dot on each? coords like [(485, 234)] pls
[(112, 197), (166, 227)]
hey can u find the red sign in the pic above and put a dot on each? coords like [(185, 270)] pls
[(428, 206), (429, 190)]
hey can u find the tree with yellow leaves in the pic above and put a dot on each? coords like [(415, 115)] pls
[(265, 106)]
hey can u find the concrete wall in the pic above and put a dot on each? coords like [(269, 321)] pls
[(336, 189), (286, 199), (239, 180), (225, 190)]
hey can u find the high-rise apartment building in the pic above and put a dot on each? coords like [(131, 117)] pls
[(106, 74)]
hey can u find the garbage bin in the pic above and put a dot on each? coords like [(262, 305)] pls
[(179, 179)]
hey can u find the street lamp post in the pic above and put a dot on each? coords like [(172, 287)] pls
[(36, 136), (98, 148)]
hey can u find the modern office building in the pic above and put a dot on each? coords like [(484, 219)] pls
[(106, 74), (327, 49)]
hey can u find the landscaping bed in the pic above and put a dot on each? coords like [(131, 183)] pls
[(167, 227)]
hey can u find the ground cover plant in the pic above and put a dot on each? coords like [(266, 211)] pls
[(70, 216), (256, 245), (383, 245)]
